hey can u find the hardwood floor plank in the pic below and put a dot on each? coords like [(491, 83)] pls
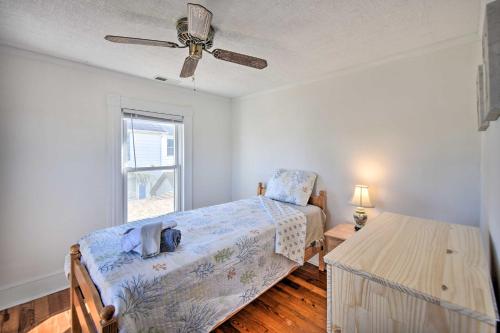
[(307, 285), (311, 274), (302, 308), (298, 291), (246, 321), (272, 317), (300, 322), (291, 308), (10, 323), (59, 301), (59, 323), (42, 311), (226, 329), (26, 316)]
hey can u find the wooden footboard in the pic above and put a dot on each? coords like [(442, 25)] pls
[(88, 314)]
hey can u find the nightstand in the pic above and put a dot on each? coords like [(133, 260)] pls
[(335, 236)]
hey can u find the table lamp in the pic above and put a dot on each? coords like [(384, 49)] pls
[(360, 199)]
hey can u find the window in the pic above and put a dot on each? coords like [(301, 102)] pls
[(151, 164)]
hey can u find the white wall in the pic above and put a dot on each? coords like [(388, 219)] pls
[(54, 160), (406, 128)]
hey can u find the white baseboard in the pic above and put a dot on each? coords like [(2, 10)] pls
[(32, 289)]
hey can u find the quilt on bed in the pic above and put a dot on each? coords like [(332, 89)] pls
[(228, 255)]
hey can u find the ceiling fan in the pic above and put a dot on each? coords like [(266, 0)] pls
[(196, 33)]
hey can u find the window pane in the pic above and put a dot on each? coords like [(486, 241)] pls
[(150, 193), (170, 147), (148, 143)]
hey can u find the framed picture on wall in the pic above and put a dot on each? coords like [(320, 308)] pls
[(480, 91), (491, 60)]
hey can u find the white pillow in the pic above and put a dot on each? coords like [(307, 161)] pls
[(293, 186)]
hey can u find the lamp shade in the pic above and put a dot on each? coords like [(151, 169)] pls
[(361, 197)]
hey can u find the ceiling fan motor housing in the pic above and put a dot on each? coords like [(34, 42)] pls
[(195, 50), (186, 39)]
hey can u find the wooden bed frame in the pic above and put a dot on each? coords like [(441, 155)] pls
[(88, 313)]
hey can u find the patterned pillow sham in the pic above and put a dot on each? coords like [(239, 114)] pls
[(293, 186)]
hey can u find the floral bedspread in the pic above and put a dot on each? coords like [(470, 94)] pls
[(226, 258)]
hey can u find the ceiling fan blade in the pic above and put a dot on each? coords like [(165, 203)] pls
[(189, 67), (199, 20), (240, 59), (140, 41)]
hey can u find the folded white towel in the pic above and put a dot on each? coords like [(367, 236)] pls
[(150, 239), (145, 239)]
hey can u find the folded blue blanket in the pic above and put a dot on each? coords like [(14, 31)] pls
[(170, 239)]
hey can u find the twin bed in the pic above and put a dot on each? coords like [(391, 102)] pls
[(229, 255)]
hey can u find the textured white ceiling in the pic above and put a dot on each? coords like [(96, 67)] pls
[(301, 39)]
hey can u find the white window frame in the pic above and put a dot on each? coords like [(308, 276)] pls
[(116, 105)]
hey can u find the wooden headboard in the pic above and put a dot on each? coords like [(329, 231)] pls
[(316, 200)]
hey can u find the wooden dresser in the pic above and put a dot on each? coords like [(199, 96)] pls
[(405, 274)]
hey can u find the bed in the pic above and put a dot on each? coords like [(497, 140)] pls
[(229, 255)]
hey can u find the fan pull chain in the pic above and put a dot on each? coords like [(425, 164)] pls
[(194, 86)]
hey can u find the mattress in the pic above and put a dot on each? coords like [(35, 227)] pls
[(316, 220)]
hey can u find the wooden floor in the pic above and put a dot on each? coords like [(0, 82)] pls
[(51, 310), (296, 304)]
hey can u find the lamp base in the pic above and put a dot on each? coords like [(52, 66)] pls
[(360, 218)]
